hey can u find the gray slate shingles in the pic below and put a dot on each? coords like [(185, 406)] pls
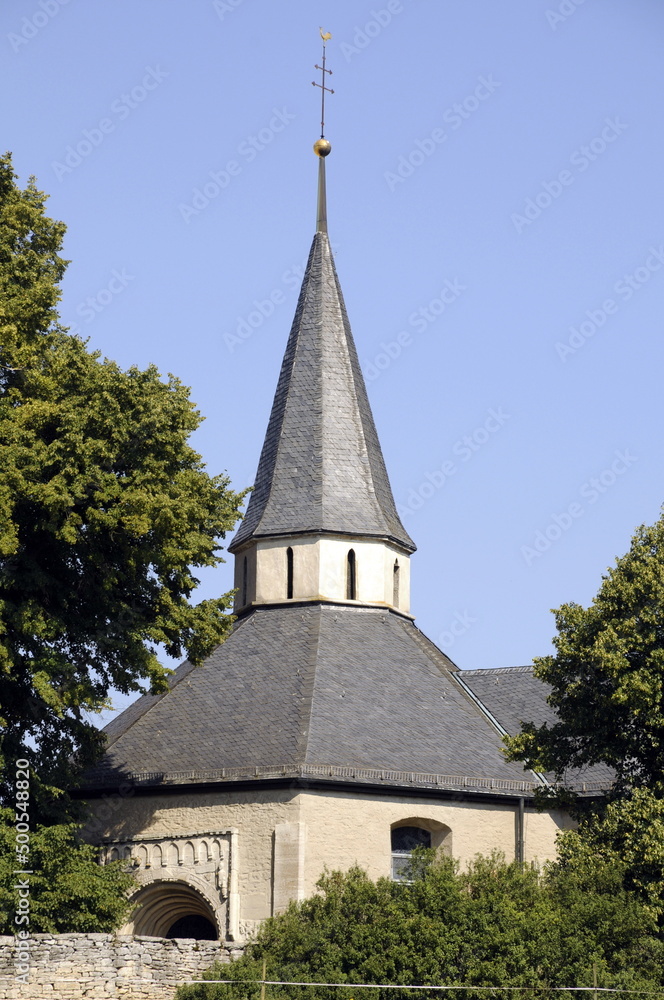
[(321, 467), (512, 694), (381, 702), (315, 684)]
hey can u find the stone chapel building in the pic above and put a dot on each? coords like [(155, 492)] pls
[(327, 729)]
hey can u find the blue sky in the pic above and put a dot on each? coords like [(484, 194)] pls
[(495, 205)]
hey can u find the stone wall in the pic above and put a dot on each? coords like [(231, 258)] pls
[(286, 836), (106, 966), (254, 813)]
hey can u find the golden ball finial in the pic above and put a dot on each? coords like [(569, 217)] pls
[(322, 147)]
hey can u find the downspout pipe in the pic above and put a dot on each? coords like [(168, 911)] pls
[(521, 832)]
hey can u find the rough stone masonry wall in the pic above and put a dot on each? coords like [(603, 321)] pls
[(106, 966)]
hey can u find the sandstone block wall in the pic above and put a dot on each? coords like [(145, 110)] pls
[(106, 966)]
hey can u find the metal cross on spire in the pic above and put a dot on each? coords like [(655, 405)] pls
[(322, 147), (325, 35)]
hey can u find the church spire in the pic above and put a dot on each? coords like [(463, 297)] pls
[(321, 474)]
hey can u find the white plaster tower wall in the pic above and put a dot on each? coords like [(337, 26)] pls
[(320, 571)]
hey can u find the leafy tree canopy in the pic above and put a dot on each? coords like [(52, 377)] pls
[(627, 836), (492, 925), (105, 512), (607, 677), (68, 891), (607, 680)]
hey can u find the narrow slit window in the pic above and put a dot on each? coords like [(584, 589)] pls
[(289, 572), (244, 581), (395, 583), (351, 578)]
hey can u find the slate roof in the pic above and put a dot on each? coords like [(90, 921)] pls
[(333, 691), (321, 468), (514, 695)]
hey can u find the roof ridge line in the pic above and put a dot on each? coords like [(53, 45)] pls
[(349, 347), (540, 778), (178, 675), (155, 699), (499, 670), (308, 681), (429, 647), (305, 292)]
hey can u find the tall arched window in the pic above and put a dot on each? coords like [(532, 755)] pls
[(289, 572), (244, 582), (404, 841), (395, 584), (351, 577)]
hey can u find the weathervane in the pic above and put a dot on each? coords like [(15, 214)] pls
[(323, 147)]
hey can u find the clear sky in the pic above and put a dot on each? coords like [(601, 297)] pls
[(495, 205)]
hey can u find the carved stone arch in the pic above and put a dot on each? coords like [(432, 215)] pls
[(163, 903), (156, 856)]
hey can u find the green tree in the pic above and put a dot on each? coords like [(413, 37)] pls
[(627, 836), (68, 890), (607, 687), (105, 512), (607, 677), (495, 924)]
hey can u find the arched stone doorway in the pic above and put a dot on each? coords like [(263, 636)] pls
[(173, 909)]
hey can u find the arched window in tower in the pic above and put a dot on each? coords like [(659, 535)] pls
[(395, 583), (351, 577), (404, 841), (244, 582), (289, 572)]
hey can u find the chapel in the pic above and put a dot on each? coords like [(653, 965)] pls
[(327, 730)]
